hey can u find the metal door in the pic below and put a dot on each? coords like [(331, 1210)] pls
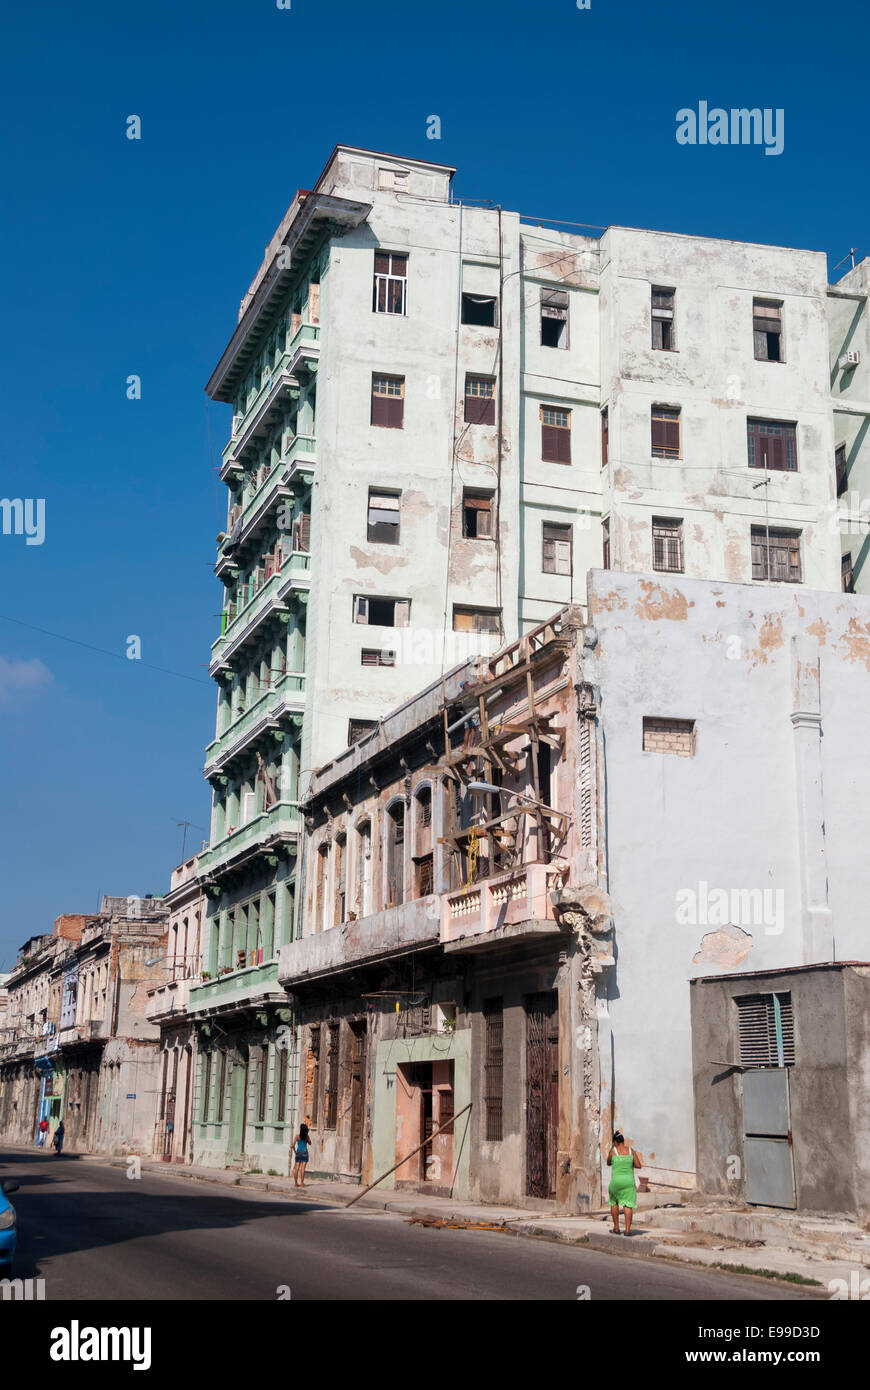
[(542, 1093), (357, 1094), (767, 1138)]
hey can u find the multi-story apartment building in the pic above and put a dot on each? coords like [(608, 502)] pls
[(442, 418)]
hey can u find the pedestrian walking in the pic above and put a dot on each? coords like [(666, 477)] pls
[(57, 1141), (42, 1136), (301, 1155), (622, 1161)]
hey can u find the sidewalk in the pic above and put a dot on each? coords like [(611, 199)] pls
[(791, 1246)]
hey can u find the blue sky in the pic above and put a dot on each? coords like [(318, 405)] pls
[(130, 257)]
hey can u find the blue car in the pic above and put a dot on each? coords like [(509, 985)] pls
[(8, 1232)]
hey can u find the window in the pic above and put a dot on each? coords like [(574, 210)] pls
[(772, 445), (663, 319), (841, 469), (493, 1068), (605, 435), (221, 1087), (279, 1104), (480, 310), (477, 515), (388, 401), (479, 400), (396, 854), (776, 554), (554, 318), (424, 808), (381, 612), (555, 434), (476, 619), (665, 432), (847, 573), (765, 1024), (364, 868), (206, 1087), (605, 544), (358, 728), (767, 330), (667, 536), (383, 517), (262, 1081), (371, 656), (557, 556), (340, 879), (424, 875), (669, 736), (395, 180), (330, 1095), (391, 283), (312, 1075)]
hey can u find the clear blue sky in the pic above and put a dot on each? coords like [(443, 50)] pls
[(130, 257)]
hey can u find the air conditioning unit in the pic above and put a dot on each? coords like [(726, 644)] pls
[(849, 359)]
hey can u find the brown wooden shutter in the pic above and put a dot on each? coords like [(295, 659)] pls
[(479, 410), (402, 612), (305, 531), (550, 447), (395, 411), (314, 303), (380, 409)]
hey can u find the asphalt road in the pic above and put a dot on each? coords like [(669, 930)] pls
[(92, 1233)]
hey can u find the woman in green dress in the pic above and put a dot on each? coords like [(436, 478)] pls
[(622, 1161)]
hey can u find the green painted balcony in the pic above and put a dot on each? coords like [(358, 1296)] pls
[(267, 833), (237, 989), (300, 358), (282, 700), (270, 598)]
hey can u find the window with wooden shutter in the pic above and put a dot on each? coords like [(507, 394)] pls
[(667, 536), (663, 336), (776, 555), (390, 283), (665, 424), (493, 1069), (312, 1075), (302, 532), (767, 330), (554, 318), (479, 400), (557, 547), (383, 517), (477, 515), (841, 469), (772, 444), (388, 401), (358, 728), (555, 434), (765, 1025), (847, 573), (476, 619)]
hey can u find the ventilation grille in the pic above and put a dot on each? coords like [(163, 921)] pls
[(759, 1044)]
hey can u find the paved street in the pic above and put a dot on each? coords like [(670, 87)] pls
[(92, 1233)]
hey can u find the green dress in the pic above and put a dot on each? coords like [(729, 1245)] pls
[(623, 1189)]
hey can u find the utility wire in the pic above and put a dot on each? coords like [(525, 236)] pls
[(61, 637)]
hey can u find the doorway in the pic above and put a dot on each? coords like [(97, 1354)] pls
[(358, 1052), (542, 1093), (424, 1102)]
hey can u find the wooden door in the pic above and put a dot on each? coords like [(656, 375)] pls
[(542, 1093), (357, 1094)]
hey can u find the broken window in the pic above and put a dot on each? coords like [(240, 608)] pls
[(765, 1024), (383, 517), (476, 619), (372, 656), (776, 554), (477, 515), (358, 728), (667, 538), (391, 283), (605, 430), (330, 1093), (381, 612), (394, 180), (669, 736), (493, 1068), (480, 310), (841, 469), (847, 573), (767, 330), (555, 434), (479, 400), (665, 422), (557, 556), (772, 445), (663, 319), (388, 401), (396, 854), (554, 318)]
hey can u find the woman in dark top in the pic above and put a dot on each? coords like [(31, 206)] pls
[(300, 1154)]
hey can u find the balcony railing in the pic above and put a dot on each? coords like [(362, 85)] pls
[(267, 594), (236, 987), (304, 344), (508, 900), (278, 823), (286, 695)]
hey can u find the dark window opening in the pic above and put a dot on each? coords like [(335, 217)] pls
[(476, 619), (396, 855), (383, 518), (388, 401), (554, 318), (493, 1069), (381, 612), (841, 469), (605, 436), (557, 548), (477, 516), (481, 310), (390, 283), (330, 1097), (667, 536), (767, 330), (605, 545), (765, 1025)]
